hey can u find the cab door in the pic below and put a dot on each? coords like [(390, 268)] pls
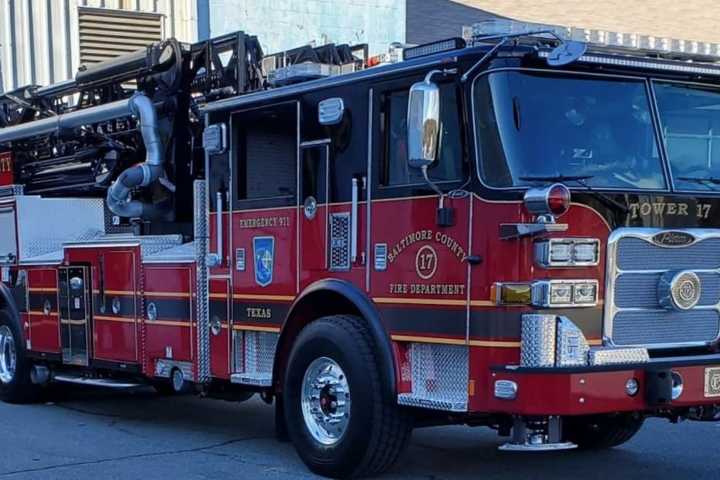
[(314, 232), (419, 270)]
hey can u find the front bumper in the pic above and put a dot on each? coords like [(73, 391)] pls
[(602, 389)]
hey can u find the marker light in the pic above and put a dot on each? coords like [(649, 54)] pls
[(553, 200)]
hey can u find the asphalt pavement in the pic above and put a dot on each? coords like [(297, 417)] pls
[(85, 434)]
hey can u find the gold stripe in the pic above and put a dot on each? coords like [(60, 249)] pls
[(256, 328), (114, 319), (455, 341), (167, 323), (115, 292), (168, 294), (420, 301), (493, 344), (222, 296), (444, 341), (595, 342), (486, 303), (42, 314), (280, 298), (42, 290)]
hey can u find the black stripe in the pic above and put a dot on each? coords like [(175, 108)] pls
[(127, 305), (450, 322), (487, 324), (171, 308), (36, 301), (255, 312)]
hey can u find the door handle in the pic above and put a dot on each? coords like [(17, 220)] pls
[(354, 221), (216, 259)]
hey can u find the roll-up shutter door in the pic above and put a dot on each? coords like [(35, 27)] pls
[(105, 34)]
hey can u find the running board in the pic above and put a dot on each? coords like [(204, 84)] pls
[(255, 379), (95, 382)]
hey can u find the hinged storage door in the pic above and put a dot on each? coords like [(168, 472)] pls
[(73, 292)]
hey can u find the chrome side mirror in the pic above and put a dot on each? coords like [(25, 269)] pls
[(423, 123)]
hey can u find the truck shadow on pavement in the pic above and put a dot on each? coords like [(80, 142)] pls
[(244, 432)]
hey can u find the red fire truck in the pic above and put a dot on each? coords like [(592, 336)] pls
[(517, 230)]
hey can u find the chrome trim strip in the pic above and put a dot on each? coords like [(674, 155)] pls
[(613, 272), (368, 195)]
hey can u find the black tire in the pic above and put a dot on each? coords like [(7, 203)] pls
[(163, 387), (20, 389), (377, 428), (598, 432)]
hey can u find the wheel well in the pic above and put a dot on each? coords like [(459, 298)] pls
[(320, 302), (7, 303)]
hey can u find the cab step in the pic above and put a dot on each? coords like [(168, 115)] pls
[(95, 382), (256, 379)]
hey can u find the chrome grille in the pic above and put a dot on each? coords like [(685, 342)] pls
[(633, 314)]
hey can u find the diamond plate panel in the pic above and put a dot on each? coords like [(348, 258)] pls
[(259, 352), (340, 241), (439, 377), (617, 356), (45, 224), (202, 308), (538, 340)]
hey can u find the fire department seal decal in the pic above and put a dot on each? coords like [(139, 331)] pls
[(426, 262), (264, 254)]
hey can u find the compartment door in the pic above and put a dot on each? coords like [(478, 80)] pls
[(74, 295)]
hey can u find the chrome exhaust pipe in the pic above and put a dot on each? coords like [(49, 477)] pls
[(141, 175)]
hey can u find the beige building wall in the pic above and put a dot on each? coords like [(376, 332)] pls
[(697, 20)]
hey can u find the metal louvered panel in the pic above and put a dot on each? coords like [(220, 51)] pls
[(638, 261), (105, 34)]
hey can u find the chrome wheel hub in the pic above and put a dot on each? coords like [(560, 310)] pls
[(325, 400), (8, 355)]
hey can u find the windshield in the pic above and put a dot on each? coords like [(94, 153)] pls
[(532, 124), (690, 120)]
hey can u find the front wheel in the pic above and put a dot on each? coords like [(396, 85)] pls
[(338, 418), (596, 432), (15, 384)]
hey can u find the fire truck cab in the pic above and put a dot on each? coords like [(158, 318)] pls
[(514, 230)]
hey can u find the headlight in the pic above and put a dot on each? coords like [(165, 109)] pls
[(565, 293), (560, 294), (567, 252), (585, 293)]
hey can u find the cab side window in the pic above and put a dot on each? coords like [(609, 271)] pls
[(266, 159), (395, 170)]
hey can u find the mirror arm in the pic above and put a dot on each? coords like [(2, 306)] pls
[(503, 40), (437, 190)]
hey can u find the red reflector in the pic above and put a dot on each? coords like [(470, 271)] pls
[(558, 199)]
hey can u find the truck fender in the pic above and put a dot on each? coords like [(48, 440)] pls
[(331, 297), (7, 302)]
